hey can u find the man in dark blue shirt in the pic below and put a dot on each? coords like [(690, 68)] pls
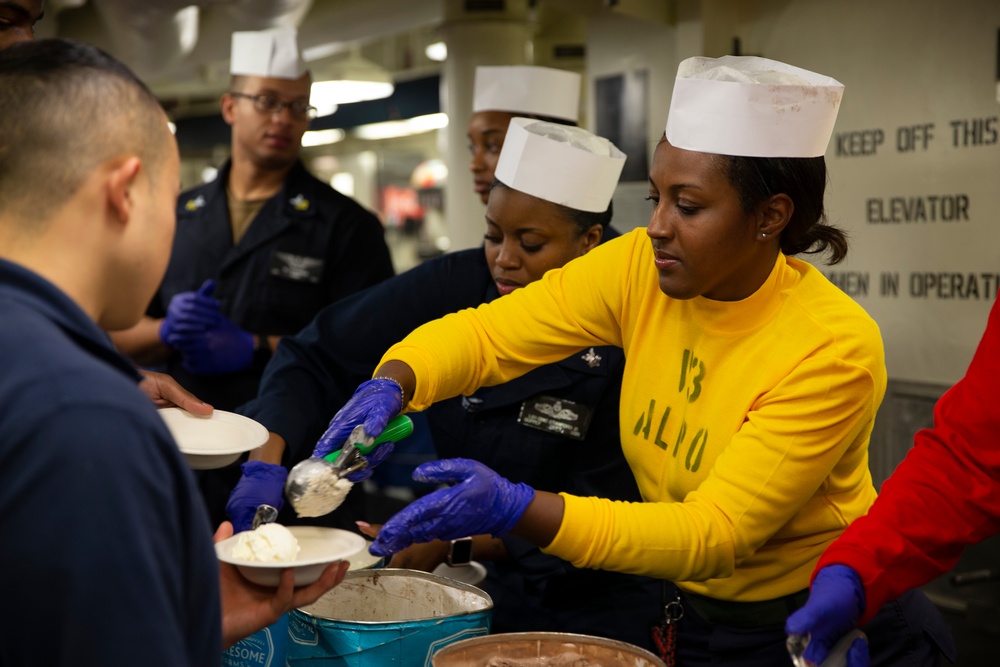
[(106, 549)]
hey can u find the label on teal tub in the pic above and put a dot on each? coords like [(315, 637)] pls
[(264, 648)]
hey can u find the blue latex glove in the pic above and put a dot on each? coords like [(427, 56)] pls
[(375, 457), (261, 484), (190, 313), (836, 601), (373, 404), (223, 348), (480, 502)]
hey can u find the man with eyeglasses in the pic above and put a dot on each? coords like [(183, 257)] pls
[(264, 246), (259, 250)]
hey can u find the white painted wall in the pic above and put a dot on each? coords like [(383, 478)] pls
[(917, 74), (619, 44)]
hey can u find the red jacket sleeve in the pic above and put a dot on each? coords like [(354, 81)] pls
[(944, 496)]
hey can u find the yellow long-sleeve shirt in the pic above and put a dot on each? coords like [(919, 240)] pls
[(746, 423)]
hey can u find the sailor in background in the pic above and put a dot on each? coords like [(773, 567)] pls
[(259, 250), (503, 92)]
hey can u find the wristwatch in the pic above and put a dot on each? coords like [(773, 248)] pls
[(460, 552)]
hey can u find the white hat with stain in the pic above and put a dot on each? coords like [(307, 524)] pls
[(754, 107)]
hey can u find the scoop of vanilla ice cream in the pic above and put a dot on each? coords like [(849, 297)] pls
[(271, 542)]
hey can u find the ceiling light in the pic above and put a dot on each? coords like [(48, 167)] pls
[(322, 137), (350, 79), (438, 51), (402, 128)]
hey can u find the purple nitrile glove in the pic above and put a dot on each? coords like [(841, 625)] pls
[(836, 601), (373, 404), (190, 312), (338, 433), (375, 457), (223, 348), (481, 501), (261, 484)]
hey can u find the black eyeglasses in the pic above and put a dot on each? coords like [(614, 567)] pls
[(269, 104)]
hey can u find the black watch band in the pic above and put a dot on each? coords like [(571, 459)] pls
[(460, 552)]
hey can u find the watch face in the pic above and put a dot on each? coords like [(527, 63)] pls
[(460, 552)]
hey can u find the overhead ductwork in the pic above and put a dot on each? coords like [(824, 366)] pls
[(151, 37), (181, 47)]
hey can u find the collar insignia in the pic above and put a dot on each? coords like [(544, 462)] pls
[(592, 358), (194, 204)]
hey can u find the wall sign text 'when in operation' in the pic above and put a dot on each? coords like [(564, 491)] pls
[(961, 285)]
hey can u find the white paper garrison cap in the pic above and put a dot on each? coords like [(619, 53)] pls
[(749, 106), (270, 53), (562, 164), (528, 91)]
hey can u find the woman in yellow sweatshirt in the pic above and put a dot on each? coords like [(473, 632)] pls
[(750, 389)]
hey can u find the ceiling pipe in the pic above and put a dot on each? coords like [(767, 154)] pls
[(219, 20), (180, 48), (148, 36), (152, 37)]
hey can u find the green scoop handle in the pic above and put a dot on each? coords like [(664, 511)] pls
[(398, 428)]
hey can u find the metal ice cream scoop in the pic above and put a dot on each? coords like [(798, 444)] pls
[(264, 514), (837, 657), (316, 486)]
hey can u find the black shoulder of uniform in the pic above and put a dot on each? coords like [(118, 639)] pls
[(307, 195), (191, 201)]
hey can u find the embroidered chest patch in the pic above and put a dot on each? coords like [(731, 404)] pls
[(297, 268), (556, 415)]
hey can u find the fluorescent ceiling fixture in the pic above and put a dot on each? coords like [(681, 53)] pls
[(350, 79), (185, 21), (402, 128), (322, 137), (332, 93), (438, 51)]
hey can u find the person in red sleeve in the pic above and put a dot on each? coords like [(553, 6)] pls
[(943, 497)]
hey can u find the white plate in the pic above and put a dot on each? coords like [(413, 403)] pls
[(473, 573), (363, 560), (318, 547), (213, 441)]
